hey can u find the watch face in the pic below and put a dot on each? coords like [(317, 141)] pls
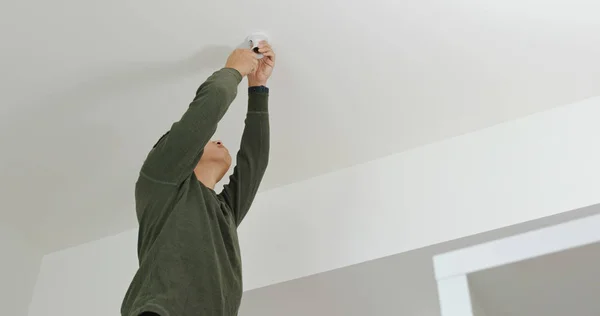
[(259, 89)]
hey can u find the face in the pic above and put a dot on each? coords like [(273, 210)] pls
[(215, 151)]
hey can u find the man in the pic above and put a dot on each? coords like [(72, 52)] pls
[(188, 246)]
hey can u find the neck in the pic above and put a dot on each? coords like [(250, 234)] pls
[(209, 174)]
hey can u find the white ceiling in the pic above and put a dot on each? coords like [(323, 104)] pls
[(89, 86), (404, 284), (564, 283)]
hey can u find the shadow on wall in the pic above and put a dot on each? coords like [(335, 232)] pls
[(56, 143)]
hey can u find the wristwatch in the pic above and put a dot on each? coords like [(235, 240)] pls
[(258, 89)]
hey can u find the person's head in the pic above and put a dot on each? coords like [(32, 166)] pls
[(216, 157)]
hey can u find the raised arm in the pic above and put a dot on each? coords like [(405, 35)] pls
[(253, 156), (176, 154)]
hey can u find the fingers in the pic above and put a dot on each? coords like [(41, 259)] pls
[(245, 61), (247, 51), (264, 46), (269, 58), (266, 49), (268, 53), (254, 65), (242, 51)]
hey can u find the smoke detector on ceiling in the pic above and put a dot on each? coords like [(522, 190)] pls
[(252, 42)]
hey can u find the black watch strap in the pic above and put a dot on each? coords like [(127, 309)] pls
[(258, 89)]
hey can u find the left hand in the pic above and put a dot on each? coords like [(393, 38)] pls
[(265, 66)]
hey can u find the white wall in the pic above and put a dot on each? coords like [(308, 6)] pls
[(514, 172), (90, 279), (478, 309), (19, 266)]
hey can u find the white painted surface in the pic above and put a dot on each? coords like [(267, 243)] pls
[(19, 266), (90, 279), (518, 171), (403, 284), (517, 248), (455, 296), (559, 284), (93, 278), (91, 85), (521, 170), (476, 304), (550, 271)]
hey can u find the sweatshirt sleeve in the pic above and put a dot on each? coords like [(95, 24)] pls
[(177, 153), (252, 157)]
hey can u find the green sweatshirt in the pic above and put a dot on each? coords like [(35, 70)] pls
[(188, 250)]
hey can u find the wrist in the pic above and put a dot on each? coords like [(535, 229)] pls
[(227, 66), (258, 90), (256, 83)]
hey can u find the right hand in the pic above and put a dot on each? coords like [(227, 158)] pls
[(242, 60)]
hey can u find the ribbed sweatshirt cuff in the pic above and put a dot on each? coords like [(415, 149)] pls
[(258, 102)]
